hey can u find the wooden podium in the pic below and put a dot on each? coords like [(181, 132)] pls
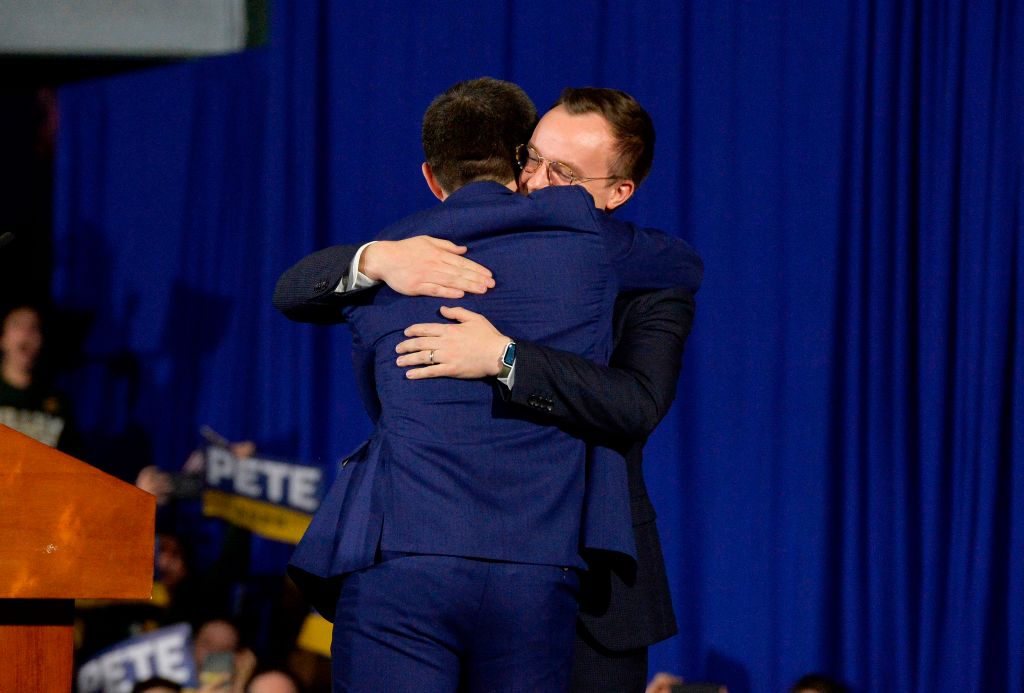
[(67, 531)]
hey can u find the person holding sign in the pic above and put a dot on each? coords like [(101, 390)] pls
[(27, 403)]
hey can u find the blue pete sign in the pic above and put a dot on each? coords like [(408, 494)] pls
[(272, 498)]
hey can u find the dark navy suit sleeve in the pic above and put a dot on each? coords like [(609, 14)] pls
[(644, 258), (626, 399), (305, 291)]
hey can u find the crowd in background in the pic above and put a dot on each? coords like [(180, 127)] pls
[(228, 585)]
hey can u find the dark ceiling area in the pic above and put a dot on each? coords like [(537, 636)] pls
[(29, 120)]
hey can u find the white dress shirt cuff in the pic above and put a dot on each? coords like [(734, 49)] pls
[(354, 279), (511, 379)]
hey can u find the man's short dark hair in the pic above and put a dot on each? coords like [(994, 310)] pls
[(631, 126), (470, 132)]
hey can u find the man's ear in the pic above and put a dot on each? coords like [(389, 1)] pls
[(622, 191), (435, 187)]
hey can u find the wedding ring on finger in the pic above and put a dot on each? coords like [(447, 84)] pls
[(431, 357)]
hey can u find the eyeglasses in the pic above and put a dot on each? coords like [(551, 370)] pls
[(529, 161)]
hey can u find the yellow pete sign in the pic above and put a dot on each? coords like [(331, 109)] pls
[(315, 635), (272, 498)]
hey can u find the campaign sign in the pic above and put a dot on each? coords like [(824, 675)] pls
[(166, 652), (272, 498), (315, 635)]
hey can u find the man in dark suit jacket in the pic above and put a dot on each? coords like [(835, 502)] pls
[(619, 405), (440, 490)]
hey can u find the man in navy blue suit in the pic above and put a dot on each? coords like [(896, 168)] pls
[(476, 513), (595, 132)]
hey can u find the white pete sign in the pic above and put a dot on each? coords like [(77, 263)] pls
[(166, 652)]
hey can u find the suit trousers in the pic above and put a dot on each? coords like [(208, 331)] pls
[(442, 623)]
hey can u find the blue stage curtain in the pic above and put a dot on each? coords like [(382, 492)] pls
[(841, 482)]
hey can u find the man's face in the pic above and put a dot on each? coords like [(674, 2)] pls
[(22, 338), (586, 145)]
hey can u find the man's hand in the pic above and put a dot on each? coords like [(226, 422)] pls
[(425, 266), (471, 348)]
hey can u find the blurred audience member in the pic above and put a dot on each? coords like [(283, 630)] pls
[(664, 682), (818, 683), (156, 685), (311, 669), (273, 681), (152, 480), (176, 590), (27, 404), (219, 636), (216, 635), (171, 566)]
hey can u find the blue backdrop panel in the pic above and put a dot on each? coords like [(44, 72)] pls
[(839, 485)]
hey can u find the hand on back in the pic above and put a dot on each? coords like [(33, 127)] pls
[(471, 347), (425, 266)]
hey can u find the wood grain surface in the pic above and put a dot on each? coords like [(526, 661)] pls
[(68, 530)]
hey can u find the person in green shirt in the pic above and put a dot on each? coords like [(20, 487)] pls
[(27, 404)]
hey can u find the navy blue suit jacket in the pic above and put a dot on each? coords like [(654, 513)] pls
[(452, 469)]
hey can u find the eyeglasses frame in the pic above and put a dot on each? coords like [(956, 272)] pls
[(573, 179)]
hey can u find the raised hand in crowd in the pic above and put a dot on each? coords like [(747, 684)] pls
[(196, 461), (245, 666), (156, 482)]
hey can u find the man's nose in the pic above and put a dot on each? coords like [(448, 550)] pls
[(538, 179)]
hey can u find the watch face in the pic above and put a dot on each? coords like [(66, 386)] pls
[(510, 355)]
